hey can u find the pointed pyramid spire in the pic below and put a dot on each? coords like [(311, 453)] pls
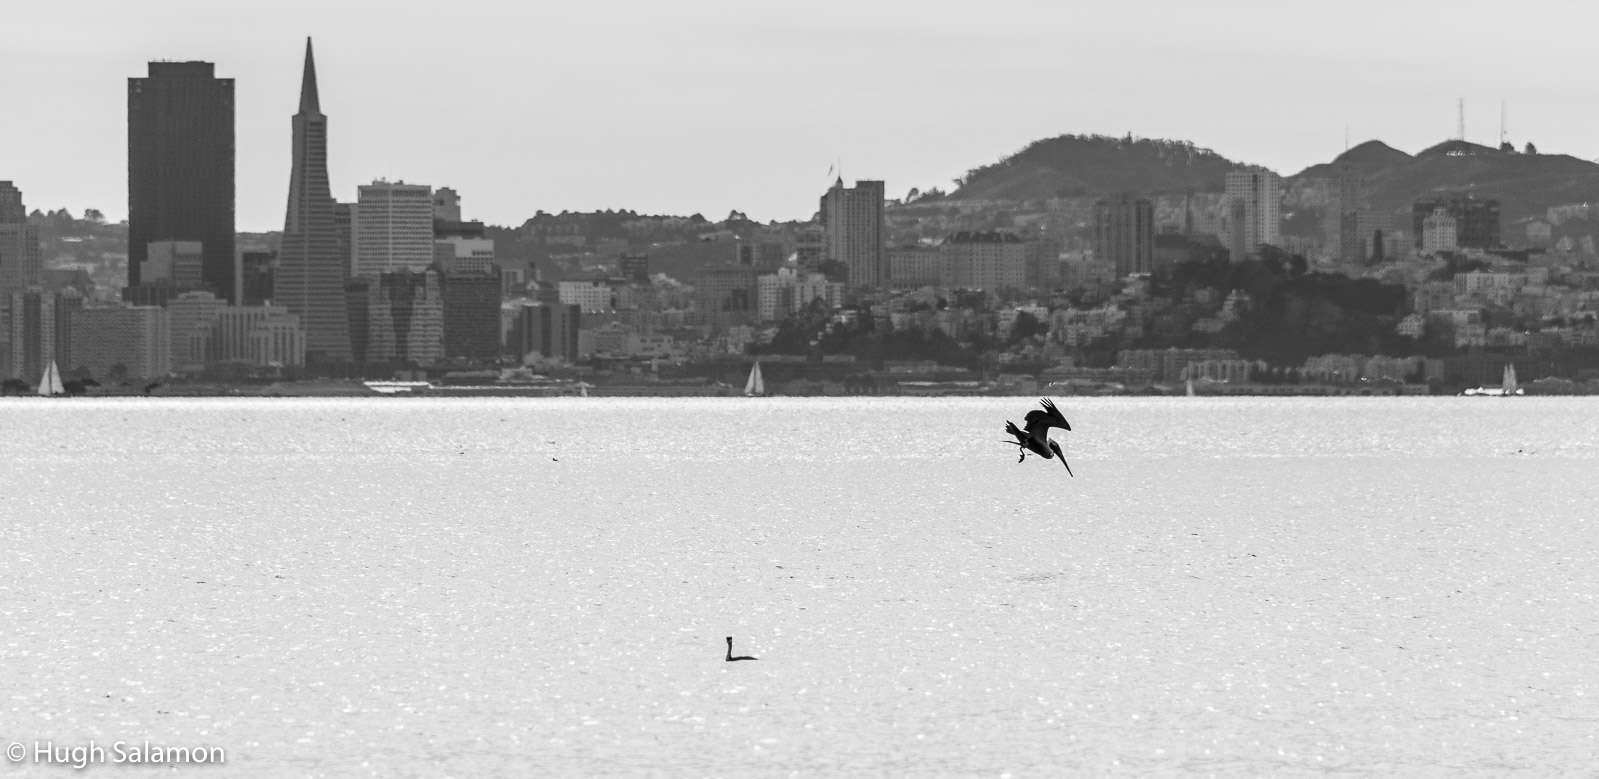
[(309, 104)]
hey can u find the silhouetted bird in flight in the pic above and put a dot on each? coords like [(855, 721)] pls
[(1036, 438), (731, 658)]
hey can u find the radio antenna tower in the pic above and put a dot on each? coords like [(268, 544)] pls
[(1460, 124), (1504, 128)]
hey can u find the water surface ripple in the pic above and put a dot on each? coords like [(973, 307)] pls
[(431, 588)]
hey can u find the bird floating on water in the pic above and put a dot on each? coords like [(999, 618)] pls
[(1036, 438), (731, 658)]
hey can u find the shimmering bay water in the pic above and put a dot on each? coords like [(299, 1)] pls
[(541, 587)]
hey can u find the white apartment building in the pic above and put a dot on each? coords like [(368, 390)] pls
[(787, 291), (593, 295), (391, 228), (193, 321)]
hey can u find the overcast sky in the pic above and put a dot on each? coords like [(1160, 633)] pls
[(707, 106)]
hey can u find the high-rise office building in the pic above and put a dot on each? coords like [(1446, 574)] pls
[(855, 231), (11, 209), (471, 315), (391, 228), (1124, 233), (309, 280), (180, 167), (21, 265), (1253, 211), (1342, 226), (547, 330), (67, 301), (32, 333)]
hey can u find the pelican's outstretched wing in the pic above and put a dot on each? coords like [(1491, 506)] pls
[(1040, 421)]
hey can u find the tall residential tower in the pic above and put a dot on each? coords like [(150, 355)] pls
[(180, 167), (856, 232), (1252, 211), (312, 268)]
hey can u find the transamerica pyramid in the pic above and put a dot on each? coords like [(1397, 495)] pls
[(311, 269)]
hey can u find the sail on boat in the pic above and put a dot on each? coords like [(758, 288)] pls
[(1191, 392), (755, 385), (1508, 383), (50, 382)]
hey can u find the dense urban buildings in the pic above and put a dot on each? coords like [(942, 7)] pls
[(984, 260), (312, 269), (789, 291), (855, 234), (180, 168), (1252, 211), (635, 268), (724, 295), (1124, 233), (397, 317), (1476, 220)]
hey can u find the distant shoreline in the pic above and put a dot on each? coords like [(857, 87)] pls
[(336, 389)]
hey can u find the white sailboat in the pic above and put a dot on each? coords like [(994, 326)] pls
[(1191, 392), (1508, 383), (50, 382), (755, 385)]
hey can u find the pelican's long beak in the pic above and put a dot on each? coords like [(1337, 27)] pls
[(1058, 453)]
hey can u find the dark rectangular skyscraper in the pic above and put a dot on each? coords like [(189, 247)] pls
[(180, 167)]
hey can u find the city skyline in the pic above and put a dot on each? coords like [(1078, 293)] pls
[(696, 108)]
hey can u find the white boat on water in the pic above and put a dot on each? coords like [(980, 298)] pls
[(397, 387), (755, 385), (1508, 386), (1191, 392), (50, 382)]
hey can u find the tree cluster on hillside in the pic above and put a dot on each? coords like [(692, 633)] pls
[(1293, 314)]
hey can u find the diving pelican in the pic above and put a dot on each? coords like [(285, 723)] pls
[(1036, 438)]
